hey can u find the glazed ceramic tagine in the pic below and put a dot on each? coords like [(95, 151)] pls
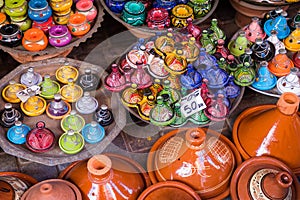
[(9, 92), (125, 178), (281, 64), (104, 116), (72, 121), (40, 139), (34, 40), (87, 104), (30, 78), (176, 62), (9, 115), (131, 96), (53, 189), (17, 133), (237, 46), (89, 81), (158, 18), (266, 178), (135, 56), (269, 130), (115, 81), (156, 67), (290, 82), (71, 142), (14, 185), (180, 14), (71, 92), (49, 87), (58, 108), (253, 30), (262, 50), (65, 72), (93, 132), (292, 41), (294, 21), (169, 190), (265, 80), (164, 44), (161, 114), (279, 24), (277, 43), (200, 158), (296, 59), (11, 35), (34, 106)]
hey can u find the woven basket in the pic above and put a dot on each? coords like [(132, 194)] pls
[(144, 31), (21, 55)]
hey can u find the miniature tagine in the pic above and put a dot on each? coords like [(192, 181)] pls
[(275, 41), (49, 87), (191, 157), (278, 24), (266, 178), (10, 91), (253, 30), (30, 78), (161, 114), (104, 116), (9, 115), (17, 133), (273, 128), (290, 82), (238, 45), (58, 108), (265, 80), (87, 104), (72, 121), (262, 50), (292, 41), (71, 92), (281, 64), (93, 132), (296, 59), (89, 81), (53, 189), (125, 178), (71, 142), (40, 139), (65, 72), (34, 106)]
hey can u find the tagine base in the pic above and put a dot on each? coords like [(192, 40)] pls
[(56, 156)]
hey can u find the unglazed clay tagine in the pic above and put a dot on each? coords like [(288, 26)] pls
[(265, 178), (125, 178), (269, 130), (53, 189), (201, 158), (169, 190)]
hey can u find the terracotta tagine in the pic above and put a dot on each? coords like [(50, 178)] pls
[(58, 108), (273, 128), (71, 92), (266, 178), (9, 115), (72, 121), (290, 82), (125, 178), (40, 139), (30, 78), (65, 72), (93, 132), (169, 190), (200, 158), (14, 185), (49, 87), (17, 133), (281, 64), (9, 92), (71, 142), (53, 189)]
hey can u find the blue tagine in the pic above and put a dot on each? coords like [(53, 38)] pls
[(278, 24), (17, 133), (265, 79), (191, 79), (93, 132)]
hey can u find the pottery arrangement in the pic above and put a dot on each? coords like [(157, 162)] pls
[(269, 46)]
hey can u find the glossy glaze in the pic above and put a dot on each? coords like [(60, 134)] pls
[(30, 78), (34, 106), (9, 115), (78, 24), (11, 35), (71, 142), (65, 72), (86, 104), (59, 36), (17, 133), (72, 121), (180, 14), (254, 30), (89, 81), (104, 116), (265, 80), (279, 24), (237, 47), (49, 87), (87, 8), (290, 82), (57, 108), (44, 26), (39, 10), (134, 13), (158, 18), (93, 132), (292, 41), (281, 64), (71, 92), (9, 92)]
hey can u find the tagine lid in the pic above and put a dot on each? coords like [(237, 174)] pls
[(269, 130), (10, 91), (185, 155), (264, 177), (169, 190), (53, 189)]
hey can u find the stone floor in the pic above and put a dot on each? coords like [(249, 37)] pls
[(137, 137)]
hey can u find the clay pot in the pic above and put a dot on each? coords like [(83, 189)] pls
[(14, 184), (34, 40), (190, 156), (270, 130), (53, 189), (125, 178), (264, 178), (169, 190)]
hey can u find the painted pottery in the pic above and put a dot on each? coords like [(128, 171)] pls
[(9, 92), (221, 50), (49, 87), (294, 21), (192, 29), (292, 41), (17, 133), (71, 92), (180, 14), (265, 80), (52, 189), (86, 104), (87, 8), (246, 57), (139, 55), (34, 106), (71, 142), (62, 18), (134, 13), (10, 35), (192, 79), (231, 89), (9, 115), (78, 24), (115, 6), (158, 18), (290, 82), (30, 78), (296, 59), (264, 177), (262, 50), (15, 8), (279, 24), (207, 43), (89, 81), (126, 178), (34, 40), (190, 49), (65, 72), (191, 154), (146, 105), (269, 124), (59, 36), (161, 114), (277, 43), (217, 110), (131, 96), (168, 5), (57, 108), (61, 6), (23, 22), (168, 93), (254, 30), (215, 31), (104, 116), (169, 190), (140, 77), (44, 26), (245, 75), (237, 46), (73, 121), (281, 64), (14, 185), (200, 7), (176, 62), (93, 132), (164, 44), (40, 139), (205, 58), (39, 10), (115, 81), (157, 67)]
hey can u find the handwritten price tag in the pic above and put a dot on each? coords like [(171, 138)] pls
[(24, 94), (192, 103)]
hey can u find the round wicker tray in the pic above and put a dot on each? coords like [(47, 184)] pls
[(21, 55), (144, 31)]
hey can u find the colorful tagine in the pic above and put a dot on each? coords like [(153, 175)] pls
[(17, 133), (104, 116), (265, 80), (9, 92), (65, 72), (71, 92), (93, 132), (290, 82), (49, 87), (58, 108), (87, 104), (30, 78), (71, 142), (281, 64), (34, 106), (190, 156), (269, 125), (125, 178), (72, 121), (9, 115)]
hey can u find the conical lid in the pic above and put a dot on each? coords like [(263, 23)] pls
[(270, 130), (200, 158)]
